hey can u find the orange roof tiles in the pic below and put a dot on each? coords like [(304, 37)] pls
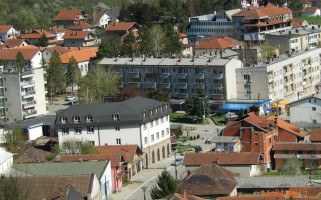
[(10, 54), (11, 43), (127, 151), (288, 127), (67, 15), (262, 12), (5, 28), (75, 34), (182, 35), (253, 197), (296, 146), (80, 25), (121, 26), (315, 135), (60, 50), (115, 159), (80, 56), (219, 43), (34, 34), (309, 10)]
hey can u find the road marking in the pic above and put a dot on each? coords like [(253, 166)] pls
[(146, 182)]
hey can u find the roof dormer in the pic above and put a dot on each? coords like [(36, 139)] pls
[(76, 119), (89, 118), (63, 119)]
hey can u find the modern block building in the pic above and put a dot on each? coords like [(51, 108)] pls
[(139, 120)]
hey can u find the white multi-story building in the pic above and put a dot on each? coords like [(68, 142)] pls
[(23, 92), (288, 77), (139, 120)]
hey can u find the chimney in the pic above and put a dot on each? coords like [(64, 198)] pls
[(188, 172), (78, 48), (116, 59), (215, 52), (210, 53), (221, 53), (290, 32), (179, 59), (209, 59), (133, 58)]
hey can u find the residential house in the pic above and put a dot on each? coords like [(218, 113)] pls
[(227, 143), (306, 3), (310, 12), (209, 181), (33, 154), (79, 39), (315, 3), (133, 157), (69, 17), (245, 164), (81, 26), (102, 170), (8, 32), (299, 23), (83, 57), (13, 43), (6, 160), (180, 77), (122, 29), (47, 52), (139, 121), (315, 136), (32, 36), (23, 92), (218, 24), (100, 19), (216, 45), (59, 32), (288, 77), (254, 22), (113, 13), (309, 153), (116, 164), (187, 48), (305, 112)]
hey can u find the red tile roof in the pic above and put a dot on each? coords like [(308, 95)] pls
[(222, 158), (252, 197), (11, 43), (80, 56), (36, 34), (296, 146), (67, 15), (315, 135), (288, 127), (75, 34), (121, 26), (219, 43), (127, 151), (309, 10), (60, 50), (5, 28), (10, 54), (262, 12), (182, 35), (80, 25), (185, 197), (258, 121), (115, 159)]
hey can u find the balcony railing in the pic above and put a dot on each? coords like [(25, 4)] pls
[(217, 76), (182, 95), (199, 76), (29, 113), (27, 83), (199, 85), (150, 85), (182, 75), (165, 85), (298, 156), (218, 96), (24, 93), (182, 85), (217, 86), (28, 103), (133, 74), (165, 75)]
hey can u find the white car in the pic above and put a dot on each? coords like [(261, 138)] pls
[(70, 98)]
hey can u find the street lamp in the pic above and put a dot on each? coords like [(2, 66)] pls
[(144, 190), (203, 98), (175, 167)]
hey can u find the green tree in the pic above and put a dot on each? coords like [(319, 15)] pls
[(159, 95), (105, 49), (166, 185), (98, 85), (14, 140), (78, 147), (268, 51), (73, 73), (128, 48), (196, 105), (56, 78), (9, 188), (292, 167), (20, 62), (43, 41), (145, 43), (172, 45), (157, 36)]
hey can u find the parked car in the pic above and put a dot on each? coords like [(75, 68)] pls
[(188, 151), (70, 98), (177, 162), (197, 148)]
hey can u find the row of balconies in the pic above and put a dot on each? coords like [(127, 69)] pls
[(298, 156), (179, 75), (214, 96), (168, 85), (29, 113)]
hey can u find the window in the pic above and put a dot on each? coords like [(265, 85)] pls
[(285, 152), (167, 131), (76, 119), (163, 133), (314, 162), (246, 76), (157, 122), (309, 100), (145, 127), (118, 141), (65, 131), (77, 131), (64, 119), (270, 140), (314, 108), (314, 121), (90, 130), (157, 135), (145, 140), (162, 120), (152, 138), (151, 124), (117, 128), (116, 116), (89, 118)]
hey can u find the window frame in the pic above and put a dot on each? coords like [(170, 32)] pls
[(76, 130), (88, 130)]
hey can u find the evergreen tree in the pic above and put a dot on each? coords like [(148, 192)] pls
[(73, 73), (105, 50), (159, 95), (196, 105), (145, 44), (20, 62), (190, 8), (172, 45), (43, 41), (128, 48), (56, 78), (166, 185)]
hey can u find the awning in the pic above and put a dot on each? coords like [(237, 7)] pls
[(235, 106), (280, 103), (264, 102)]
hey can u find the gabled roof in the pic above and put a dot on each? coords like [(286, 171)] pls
[(5, 28), (36, 33), (96, 15), (31, 155), (222, 158), (4, 156), (12, 43), (309, 10), (76, 35), (10, 54), (127, 151), (80, 56), (68, 15), (296, 146), (80, 25), (209, 180), (288, 127), (116, 159), (219, 43), (317, 96), (262, 12), (121, 26), (60, 50), (315, 135), (57, 29)]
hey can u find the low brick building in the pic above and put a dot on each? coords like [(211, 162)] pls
[(315, 136)]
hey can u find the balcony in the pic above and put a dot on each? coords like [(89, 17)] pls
[(2, 104), (248, 91), (28, 93), (307, 75), (27, 83), (218, 96), (27, 74), (28, 114), (181, 85), (217, 76), (217, 86), (133, 75), (288, 82), (150, 85), (298, 156), (165, 85), (182, 95), (199, 76), (271, 78), (248, 81), (288, 93), (181, 75), (27, 104), (306, 66), (287, 73), (119, 74), (164, 75)]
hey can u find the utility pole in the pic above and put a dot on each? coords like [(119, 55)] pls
[(144, 188), (203, 98), (175, 167)]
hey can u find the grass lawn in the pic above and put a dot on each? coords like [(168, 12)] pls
[(311, 20), (185, 118), (220, 121), (181, 148)]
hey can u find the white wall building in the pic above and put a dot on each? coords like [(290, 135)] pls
[(140, 121), (8, 32), (6, 160)]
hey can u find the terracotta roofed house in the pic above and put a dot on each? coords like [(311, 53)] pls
[(32, 36), (13, 43), (122, 29), (217, 44), (315, 136), (310, 11), (8, 32), (79, 39), (68, 17), (81, 26)]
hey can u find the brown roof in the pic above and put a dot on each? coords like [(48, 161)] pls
[(121, 26), (182, 35), (309, 10), (315, 135), (75, 34), (34, 34), (67, 15), (79, 25), (262, 12), (11, 43), (5, 28), (10, 54), (47, 187), (253, 197), (80, 56), (60, 50), (97, 15), (184, 197), (31, 155), (56, 29), (127, 151), (296, 146), (115, 159), (222, 158), (209, 180), (259, 122), (288, 127), (219, 43)]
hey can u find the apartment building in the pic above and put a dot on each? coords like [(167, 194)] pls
[(22, 94), (181, 77), (140, 121), (288, 77), (297, 39)]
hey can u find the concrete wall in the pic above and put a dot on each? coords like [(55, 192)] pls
[(106, 182), (230, 78), (13, 101), (301, 111)]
